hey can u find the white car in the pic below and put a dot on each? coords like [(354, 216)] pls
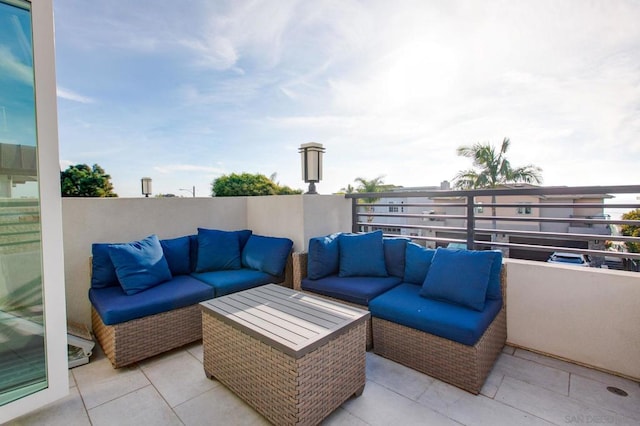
[(569, 259)]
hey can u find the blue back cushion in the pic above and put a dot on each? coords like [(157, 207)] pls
[(494, 289), (459, 276), (358, 290), (243, 237), (217, 250), (140, 265), (417, 263), (103, 273), (176, 251), (362, 255), (266, 254), (394, 255), (323, 256)]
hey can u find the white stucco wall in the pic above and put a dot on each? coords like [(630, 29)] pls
[(588, 315)]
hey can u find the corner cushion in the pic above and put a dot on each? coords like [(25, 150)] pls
[(139, 265), (266, 254), (217, 250), (114, 306), (358, 290), (417, 263), (232, 281), (494, 289), (323, 258), (394, 255), (362, 255), (459, 276), (403, 305), (176, 251)]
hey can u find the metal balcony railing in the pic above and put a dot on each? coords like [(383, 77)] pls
[(524, 222)]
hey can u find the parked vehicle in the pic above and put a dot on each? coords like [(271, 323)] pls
[(569, 259)]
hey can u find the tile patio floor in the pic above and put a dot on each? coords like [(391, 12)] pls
[(523, 389)]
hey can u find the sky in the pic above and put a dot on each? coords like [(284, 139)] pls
[(184, 92)]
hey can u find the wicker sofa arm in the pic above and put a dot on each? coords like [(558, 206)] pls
[(299, 269)]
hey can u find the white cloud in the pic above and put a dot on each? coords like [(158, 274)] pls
[(12, 67), (73, 96), (177, 168)]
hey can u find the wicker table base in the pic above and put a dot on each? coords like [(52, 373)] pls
[(284, 389)]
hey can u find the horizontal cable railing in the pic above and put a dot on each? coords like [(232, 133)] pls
[(522, 221)]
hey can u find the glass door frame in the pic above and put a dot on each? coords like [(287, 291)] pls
[(50, 217)]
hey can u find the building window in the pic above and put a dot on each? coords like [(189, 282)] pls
[(393, 209), (524, 210)]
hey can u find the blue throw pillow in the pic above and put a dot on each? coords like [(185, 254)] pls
[(417, 262), (323, 256), (193, 252), (140, 265), (459, 276), (103, 273), (494, 289), (267, 254), (176, 251), (243, 237), (217, 250), (362, 255), (394, 255)]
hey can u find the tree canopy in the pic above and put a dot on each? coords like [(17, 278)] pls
[(492, 168), (631, 230), (84, 181), (247, 184)]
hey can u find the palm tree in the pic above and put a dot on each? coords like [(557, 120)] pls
[(369, 186), (492, 169)]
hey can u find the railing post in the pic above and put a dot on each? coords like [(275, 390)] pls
[(354, 215), (470, 223)]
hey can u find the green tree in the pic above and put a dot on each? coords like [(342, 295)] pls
[(247, 184), (371, 186), (492, 169), (84, 181), (631, 230)]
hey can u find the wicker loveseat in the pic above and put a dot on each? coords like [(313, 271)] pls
[(417, 325), (134, 325)]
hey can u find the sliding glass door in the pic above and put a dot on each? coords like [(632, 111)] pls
[(29, 348)]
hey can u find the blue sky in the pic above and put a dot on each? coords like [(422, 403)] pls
[(186, 91)]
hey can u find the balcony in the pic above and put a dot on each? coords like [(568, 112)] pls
[(572, 332)]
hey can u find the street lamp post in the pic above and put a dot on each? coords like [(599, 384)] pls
[(192, 190)]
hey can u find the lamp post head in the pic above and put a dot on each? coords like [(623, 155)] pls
[(146, 186), (311, 157)]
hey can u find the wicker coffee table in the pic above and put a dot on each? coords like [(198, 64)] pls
[(293, 357)]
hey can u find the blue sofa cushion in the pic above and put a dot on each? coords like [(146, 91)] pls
[(459, 276), (394, 255), (403, 305), (359, 290), (218, 250), (323, 256), (494, 289), (362, 255), (103, 273), (266, 254), (193, 252), (140, 265), (176, 251), (417, 263), (232, 281), (115, 306)]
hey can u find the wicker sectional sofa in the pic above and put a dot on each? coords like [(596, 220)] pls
[(444, 316), (135, 325)]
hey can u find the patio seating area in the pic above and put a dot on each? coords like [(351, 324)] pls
[(523, 388)]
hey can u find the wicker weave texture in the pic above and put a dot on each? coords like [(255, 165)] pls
[(299, 269), (135, 340), (464, 366), (284, 390)]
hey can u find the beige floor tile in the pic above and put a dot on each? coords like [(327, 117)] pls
[(218, 406), (397, 377), (381, 406), (142, 407), (195, 349), (555, 408), (99, 382), (533, 373), (178, 376), (342, 417), (69, 411), (596, 393)]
